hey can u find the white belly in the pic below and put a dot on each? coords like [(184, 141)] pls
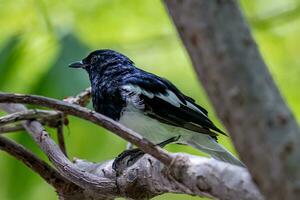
[(148, 127), (157, 132)]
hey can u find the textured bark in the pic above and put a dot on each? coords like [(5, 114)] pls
[(242, 91), (189, 175), (82, 99), (92, 116), (61, 139), (149, 177), (64, 166), (11, 128), (27, 115), (29, 159)]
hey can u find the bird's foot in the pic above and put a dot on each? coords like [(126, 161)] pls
[(126, 159), (129, 157)]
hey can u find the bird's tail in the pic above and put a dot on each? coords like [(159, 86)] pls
[(208, 145)]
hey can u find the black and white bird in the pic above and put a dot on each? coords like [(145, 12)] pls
[(149, 104)]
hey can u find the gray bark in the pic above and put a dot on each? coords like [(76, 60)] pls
[(27, 115), (148, 178), (242, 91), (92, 116)]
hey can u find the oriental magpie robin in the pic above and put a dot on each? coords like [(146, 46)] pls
[(149, 104)]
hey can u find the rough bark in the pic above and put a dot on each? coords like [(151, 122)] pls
[(36, 164), (27, 115), (92, 116), (242, 91), (149, 177), (11, 128), (56, 156), (189, 175)]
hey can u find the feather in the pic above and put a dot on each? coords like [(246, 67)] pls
[(149, 104), (168, 105)]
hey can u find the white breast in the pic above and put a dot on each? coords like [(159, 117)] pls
[(148, 127), (157, 132)]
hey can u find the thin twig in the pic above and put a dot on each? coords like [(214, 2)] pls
[(97, 118), (61, 140), (60, 134), (11, 128), (27, 115), (148, 178), (63, 165), (81, 99)]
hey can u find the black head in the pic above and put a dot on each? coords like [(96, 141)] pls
[(99, 59)]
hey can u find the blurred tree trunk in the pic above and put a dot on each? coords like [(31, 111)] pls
[(242, 91)]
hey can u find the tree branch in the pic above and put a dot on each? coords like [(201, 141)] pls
[(11, 128), (81, 99), (189, 175), (222, 57), (49, 174), (243, 92), (65, 189), (148, 178), (27, 115), (61, 139), (64, 166), (94, 117)]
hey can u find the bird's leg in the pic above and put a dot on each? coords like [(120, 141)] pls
[(129, 157)]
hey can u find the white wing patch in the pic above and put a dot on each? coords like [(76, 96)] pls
[(191, 106), (131, 94), (169, 97), (137, 90), (148, 127)]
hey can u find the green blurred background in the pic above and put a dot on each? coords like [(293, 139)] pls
[(38, 39)]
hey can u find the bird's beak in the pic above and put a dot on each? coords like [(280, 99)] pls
[(77, 64)]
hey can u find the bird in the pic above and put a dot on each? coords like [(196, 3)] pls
[(150, 105)]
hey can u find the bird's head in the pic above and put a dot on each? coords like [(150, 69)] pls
[(100, 59)]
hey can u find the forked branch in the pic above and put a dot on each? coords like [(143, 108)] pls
[(185, 174)]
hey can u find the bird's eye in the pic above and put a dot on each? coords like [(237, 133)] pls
[(94, 59)]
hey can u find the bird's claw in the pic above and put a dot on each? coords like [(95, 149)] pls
[(126, 159), (129, 157)]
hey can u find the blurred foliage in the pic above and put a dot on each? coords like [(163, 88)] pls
[(39, 38)]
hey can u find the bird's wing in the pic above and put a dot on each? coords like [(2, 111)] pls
[(160, 99)]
